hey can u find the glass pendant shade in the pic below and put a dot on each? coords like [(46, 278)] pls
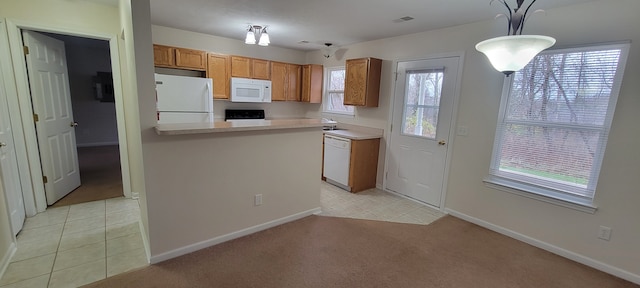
[(508, 54), (251, 37), (264, 38)]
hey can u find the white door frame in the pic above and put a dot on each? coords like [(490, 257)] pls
[(452, 131), (36, 202)]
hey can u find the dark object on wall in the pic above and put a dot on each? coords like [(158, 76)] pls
[(103, 86)]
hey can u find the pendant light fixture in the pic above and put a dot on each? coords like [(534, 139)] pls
[(262, 34), (511, 53)]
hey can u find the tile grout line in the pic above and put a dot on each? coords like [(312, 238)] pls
[(58, 248)]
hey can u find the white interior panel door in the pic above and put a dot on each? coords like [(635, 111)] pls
[(421, 120), (9, 167), (49, 82)]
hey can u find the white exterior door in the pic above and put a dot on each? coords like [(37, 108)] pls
[(9, 166), (49, 82), (421, 119)]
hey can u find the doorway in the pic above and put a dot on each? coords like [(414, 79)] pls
[(423, 109), (72, 96)]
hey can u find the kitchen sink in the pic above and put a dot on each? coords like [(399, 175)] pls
[(330, 128)]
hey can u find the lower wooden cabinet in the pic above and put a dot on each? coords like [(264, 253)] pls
[(363, 168)]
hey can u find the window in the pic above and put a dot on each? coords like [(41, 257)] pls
[(554, 121), (422, 102), (334, 92)]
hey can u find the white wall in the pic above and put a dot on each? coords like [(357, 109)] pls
[(617, 194)]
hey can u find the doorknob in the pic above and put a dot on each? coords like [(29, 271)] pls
[(441, 142), (73, 124), (2, 144)]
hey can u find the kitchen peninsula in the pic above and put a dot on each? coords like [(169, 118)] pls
[(234, 178)]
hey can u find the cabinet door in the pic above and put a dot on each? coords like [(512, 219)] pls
[(260, 69), (312, 83), (163, 56), (240, 67), (219, 69), (362, 83), (355, 88), (279, 81), (363, 168), (294, 84), (191, 59)]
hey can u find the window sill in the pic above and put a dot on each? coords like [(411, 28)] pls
[(540, 194)]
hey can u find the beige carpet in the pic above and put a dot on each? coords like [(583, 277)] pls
[(320, 251), (99, 174)]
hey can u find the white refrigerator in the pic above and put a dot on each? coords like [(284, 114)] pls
[(182, 99)]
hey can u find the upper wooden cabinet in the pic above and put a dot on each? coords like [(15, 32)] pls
[(163, 56), (219, 69), (295, 82), (285, 81), (246, 67), (181, 58), (312, 83), (362, 83)]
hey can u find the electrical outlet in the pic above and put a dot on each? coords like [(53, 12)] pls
[(604, 233), (258, 200)]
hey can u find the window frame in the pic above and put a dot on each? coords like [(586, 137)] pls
[(520, 186), (327, 92)]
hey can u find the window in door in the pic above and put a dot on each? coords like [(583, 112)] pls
[(422, 102), (554, 122), (334, 92)]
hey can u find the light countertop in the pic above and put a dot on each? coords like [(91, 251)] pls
[(353, 134), (221, 126)]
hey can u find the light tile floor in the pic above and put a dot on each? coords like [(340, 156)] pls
[(75, 245), (374, 204)]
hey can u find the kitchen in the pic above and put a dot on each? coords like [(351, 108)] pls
[(477, 111)]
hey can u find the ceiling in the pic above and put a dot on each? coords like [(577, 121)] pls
[(340, 22)]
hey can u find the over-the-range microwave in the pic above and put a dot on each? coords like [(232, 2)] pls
[(250, 90)]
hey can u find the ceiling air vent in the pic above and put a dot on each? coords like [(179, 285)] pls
[(403, 19)]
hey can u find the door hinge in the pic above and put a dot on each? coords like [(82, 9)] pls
[(26, 50), (386, 175), (391, 129), (397, 76), (36, 118), (45, 180)]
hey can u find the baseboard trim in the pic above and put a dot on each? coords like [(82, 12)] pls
[(6, 260), (220, 239), (626, 275)]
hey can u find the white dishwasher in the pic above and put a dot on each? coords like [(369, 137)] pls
[(337, 156)]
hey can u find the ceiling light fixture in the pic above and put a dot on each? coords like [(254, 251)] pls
[(511, 53), (327, 52), (261, 31)]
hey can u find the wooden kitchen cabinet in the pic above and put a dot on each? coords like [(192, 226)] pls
[(163, 56), (219, 70), (312, 83), (362, 83), (180, 58), (245, 67), (285, 81), (363, 168), (191, 59)]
